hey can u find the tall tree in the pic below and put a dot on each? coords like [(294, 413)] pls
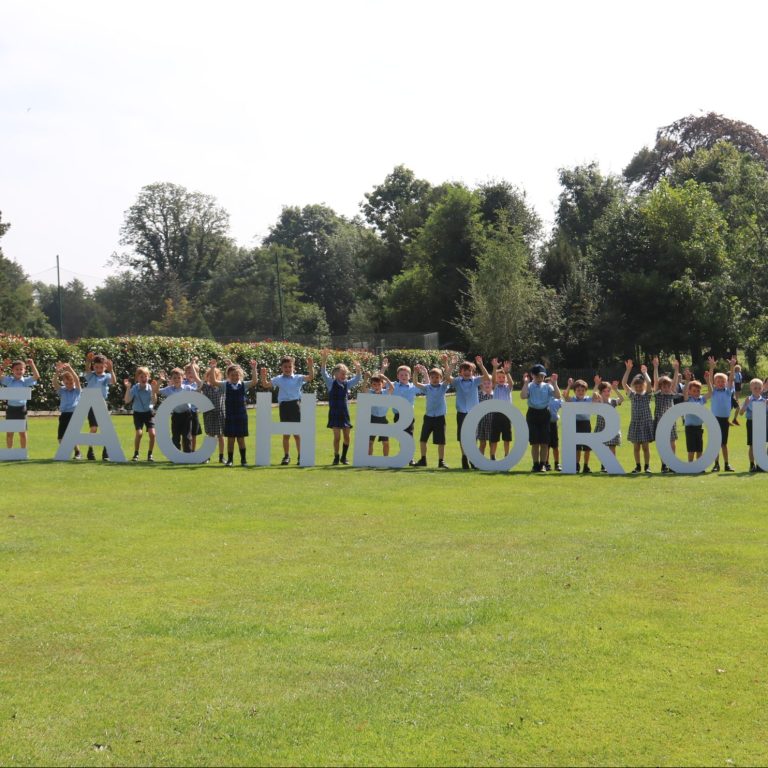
[(19, 312), (178, 238), (501, 200), (684, 137), (329, 249)]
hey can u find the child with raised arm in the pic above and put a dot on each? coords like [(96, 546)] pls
[(466, 385), (664, 393), (213, 420), (235, 412), (694, 426), (192, 376), (539, 394), (485, 425), (181, 415), (641, 431), (721, 393), (501, 428), (403, 387), (16, 409), (755, 396), (339, 386), (143, 398), (555, 404), (67, 383), (602, 394), (433, 386), (377, 384), (99, 374), (583, 422), (289, 385)]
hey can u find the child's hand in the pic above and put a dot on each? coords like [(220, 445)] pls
[(570, 382), (643, 369), (676, 364), (615, 384), (628, 364), (711, 361), (553, 378), (253, 364), (598, 380), (384, 362), (655, 361), (126, 383), (212, 363), (733, 361), (707, 375), (479, 359), (444, 358), (507, 366), (108, 365)]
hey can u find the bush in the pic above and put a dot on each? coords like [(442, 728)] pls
[(164, 353)]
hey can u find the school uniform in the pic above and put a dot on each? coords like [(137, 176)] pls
[(181, 418), (466, 398), (288, 395), (143, 411), (694, 428), (600, 424), (409, 392), (213, 420), (538, 414), (720, 403), (641, 428), (16, 409), (68, 400), (501, 428), (101, 381), (338, 394), (434, 418), (583, 423), (485, 425), (663, 403), (378, 416), (235, 411), (748, 410)]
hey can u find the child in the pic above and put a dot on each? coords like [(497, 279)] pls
[(485, 425), (403, 387), (641, 431), (192, 376), (375, 386), (16, 410), (181, 416), (555, 404), (502, 390), (539, 394), (602, 394), (755, 396), (466, 385), (213, 420), (583, 424), (66, 381), (664, 394), (433, 386), (289, 385), (339, 386), (143, 398), (694, 427), (721, 391), (737, 381), (99, 374), (235, 411)]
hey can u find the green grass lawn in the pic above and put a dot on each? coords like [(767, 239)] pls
[(174, 615)]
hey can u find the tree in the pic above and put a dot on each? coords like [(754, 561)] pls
[(178, 238), (330, 249), (506, 307), (19, 312), (130, 307), (82, 315), (501, 200), (683, 137), (665, 274)]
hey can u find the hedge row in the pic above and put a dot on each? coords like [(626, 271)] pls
[(164, 353)]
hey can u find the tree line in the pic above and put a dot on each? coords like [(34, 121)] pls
[(668, 257)]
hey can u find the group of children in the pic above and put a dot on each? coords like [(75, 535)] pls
[(472, 384)]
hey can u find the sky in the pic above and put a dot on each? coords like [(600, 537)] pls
[(264, 105)]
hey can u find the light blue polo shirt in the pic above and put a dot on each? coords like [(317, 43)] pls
[(13, 383), (721, 402), (689, 419), (752, 399), (171, 390), (141, 397), (586, 399), (378, 410), (407, 391), (502, 392), (68, 399), (103, 381), (467, 394), (539, 395), (288, 387), (436, 399), (555, 405)]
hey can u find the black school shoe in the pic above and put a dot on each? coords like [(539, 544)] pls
[(728, 468), (422, 462), (285, 461), (441, 463), (464, 462)]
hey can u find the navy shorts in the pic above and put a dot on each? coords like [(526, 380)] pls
[(435, 426), (142, 419), (289, 410), (16, 413), (409, 428), (379, 420), (583, 426), (64, 419)]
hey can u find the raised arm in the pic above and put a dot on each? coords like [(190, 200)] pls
[(567, 393), (625, 377), (555, 386), (111, 371), (384, 365), (310, 370), (655, 373), (254, 374), (710, 374), (676, 375), (421, 371), (524, 389), (264, 381), (447, 368), (481, 367), (128, 396), (33, 369), (617, 391), (55, 382)]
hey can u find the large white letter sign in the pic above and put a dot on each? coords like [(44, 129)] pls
[(106, 437), (164, 441), (759, 428), (595, 440), (365, 430), (469, 431), (305, 428), (14, 425), (664, 429)]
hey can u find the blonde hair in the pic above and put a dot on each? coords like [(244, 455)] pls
[(403, 368), (142, 369), (340, 367)]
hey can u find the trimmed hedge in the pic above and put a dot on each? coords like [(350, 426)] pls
[(164, 353)]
